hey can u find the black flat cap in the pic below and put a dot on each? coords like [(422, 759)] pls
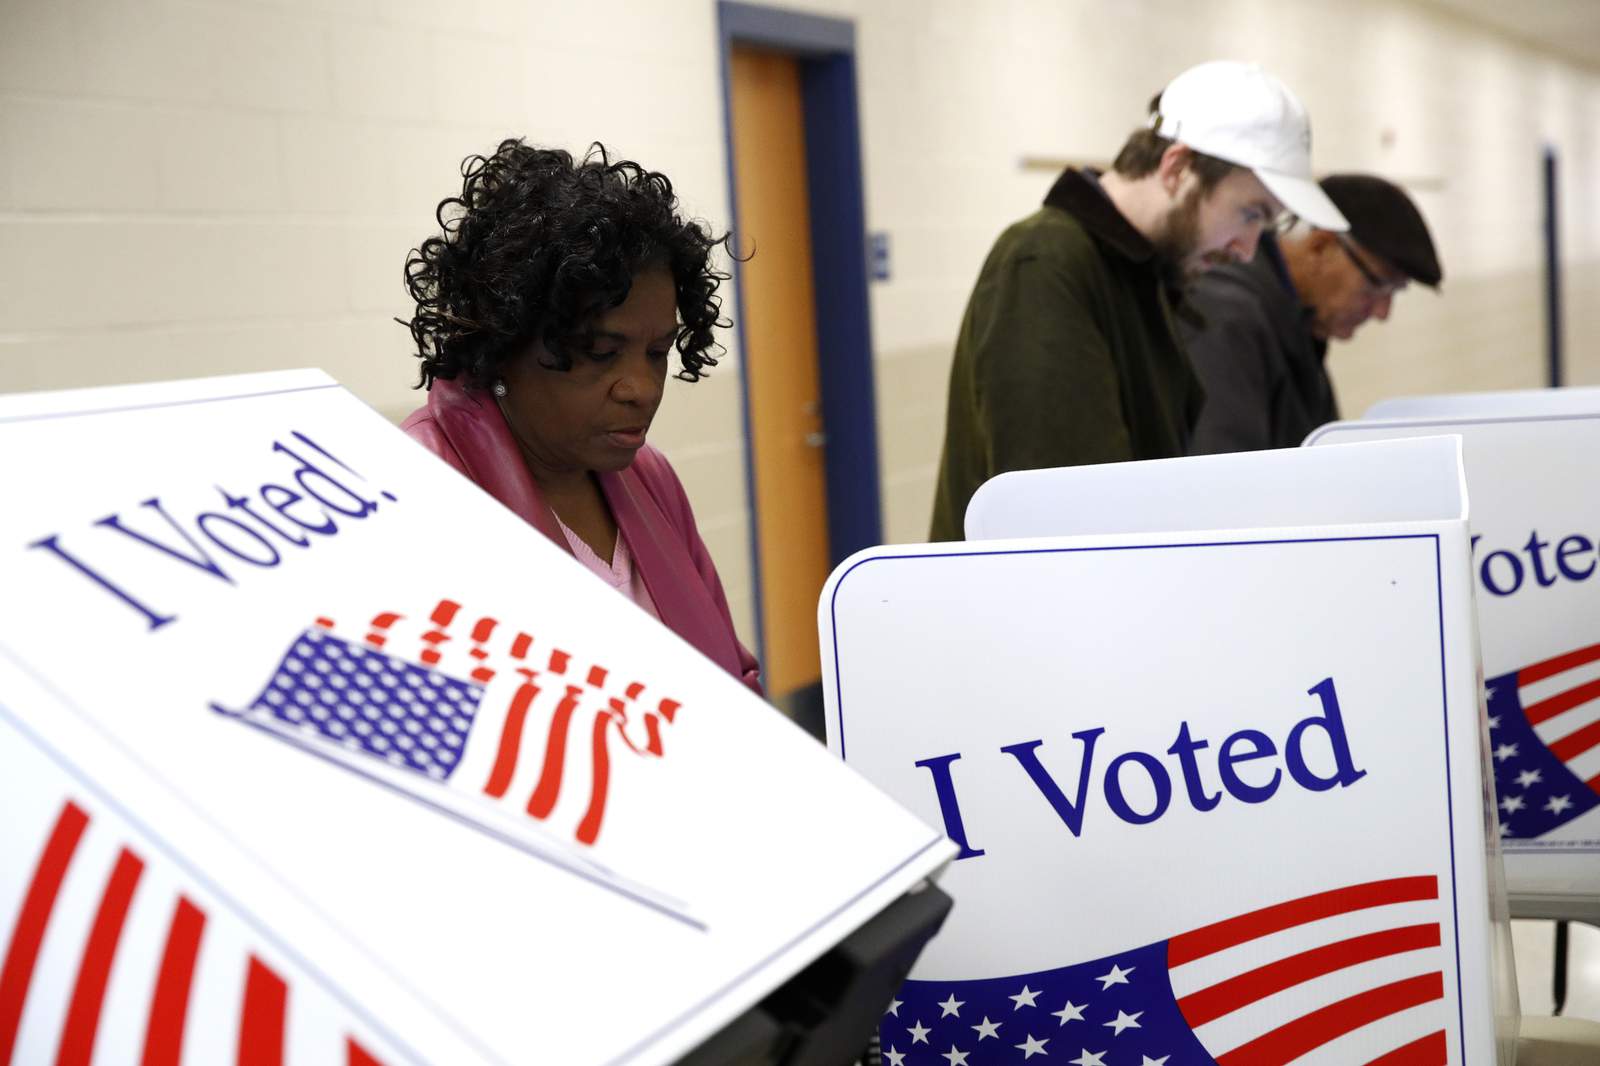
[(1384, 220)]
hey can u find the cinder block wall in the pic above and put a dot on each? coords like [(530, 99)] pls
[(193, 187)]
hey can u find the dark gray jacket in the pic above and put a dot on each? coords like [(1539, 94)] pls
[(1265, 382)]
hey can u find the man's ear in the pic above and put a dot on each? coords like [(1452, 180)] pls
[(1173, 166)]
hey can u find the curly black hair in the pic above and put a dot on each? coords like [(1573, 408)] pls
[(536, 245)]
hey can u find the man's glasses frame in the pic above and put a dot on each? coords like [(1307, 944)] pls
[(1379, 285), (1277, 225)]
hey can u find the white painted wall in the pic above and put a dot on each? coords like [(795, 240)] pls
[(205, 186)]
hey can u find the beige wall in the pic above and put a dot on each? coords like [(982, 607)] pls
[(204, 186)]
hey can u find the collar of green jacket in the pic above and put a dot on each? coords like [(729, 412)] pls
[(1078, 194)]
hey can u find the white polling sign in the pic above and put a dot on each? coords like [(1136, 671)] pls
[(1218, 785), (391, 744), (1535, 551)]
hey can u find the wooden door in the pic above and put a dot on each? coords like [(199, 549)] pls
[(780, 359)]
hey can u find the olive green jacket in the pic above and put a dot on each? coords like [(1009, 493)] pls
[(1067, 354)]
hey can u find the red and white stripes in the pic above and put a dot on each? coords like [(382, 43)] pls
[(1561, 699), (1274, 986), (111, 956)]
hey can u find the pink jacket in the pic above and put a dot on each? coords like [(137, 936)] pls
[(466, 429)]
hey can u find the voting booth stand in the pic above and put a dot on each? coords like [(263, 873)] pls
[(311, 752), (827, 1013), (1208, 735), (1530, 467)]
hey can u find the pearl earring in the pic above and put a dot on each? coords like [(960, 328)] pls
[(499, 388)]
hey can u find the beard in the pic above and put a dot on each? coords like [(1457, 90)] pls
[(1179, 237)]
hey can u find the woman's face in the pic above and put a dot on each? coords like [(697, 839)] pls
[(595, 416)]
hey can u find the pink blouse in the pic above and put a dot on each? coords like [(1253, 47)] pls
[(619, 573)]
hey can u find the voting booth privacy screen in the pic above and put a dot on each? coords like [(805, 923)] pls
[(1570, 400), (309, 747), (1530, 464), (1218, 787)]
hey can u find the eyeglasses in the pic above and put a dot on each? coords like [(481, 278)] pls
[(1280, 223), (1379, 286)]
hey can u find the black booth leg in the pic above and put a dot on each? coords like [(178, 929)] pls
[(1559, 984)]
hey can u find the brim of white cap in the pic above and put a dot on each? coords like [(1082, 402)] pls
[(1304, 198)]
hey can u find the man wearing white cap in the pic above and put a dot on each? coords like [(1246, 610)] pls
[(1068, 353)]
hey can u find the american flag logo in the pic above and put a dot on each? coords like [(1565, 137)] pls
[(1544, 736), (113, 955), (1351, 976), (494, 716)]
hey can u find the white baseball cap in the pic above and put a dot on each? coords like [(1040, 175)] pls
[(1239, 113)]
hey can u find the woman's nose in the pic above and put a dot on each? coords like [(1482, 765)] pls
[(638, 383)]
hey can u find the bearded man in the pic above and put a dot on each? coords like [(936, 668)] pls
[(1068, 353)]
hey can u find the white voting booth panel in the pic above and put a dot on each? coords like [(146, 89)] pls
[(1218, 786), (1535, 530), (1261, 489), (1563, 401), (307, 743)]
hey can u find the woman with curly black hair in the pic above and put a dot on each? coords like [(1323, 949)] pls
[(548, 310)]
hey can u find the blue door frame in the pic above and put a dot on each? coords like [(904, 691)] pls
[(825, 49)]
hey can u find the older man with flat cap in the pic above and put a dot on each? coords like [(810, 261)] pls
[(1261, 350)]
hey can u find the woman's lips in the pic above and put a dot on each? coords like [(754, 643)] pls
[(627, 438)]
